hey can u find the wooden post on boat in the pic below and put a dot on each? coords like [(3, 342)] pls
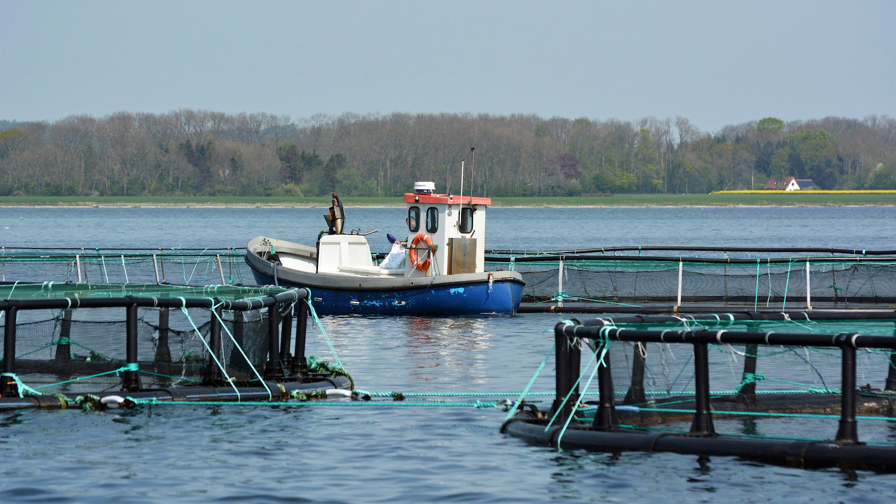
[(9, 387), (64, 346)]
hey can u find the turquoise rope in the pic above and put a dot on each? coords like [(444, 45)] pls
[(525, 391), (211, 354), (603, 352), (20, 385), (240, 348), (322, 330)]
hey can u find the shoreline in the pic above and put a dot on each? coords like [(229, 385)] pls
[(493, 206), (713, 200)]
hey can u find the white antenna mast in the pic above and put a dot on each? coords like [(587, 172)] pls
[(461, 191), (472, 174)]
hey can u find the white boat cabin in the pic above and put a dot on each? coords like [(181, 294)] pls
[(446, 232), (446, 235)]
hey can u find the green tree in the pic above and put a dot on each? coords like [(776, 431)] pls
[(815, 157), (199, 155), (290, 163)]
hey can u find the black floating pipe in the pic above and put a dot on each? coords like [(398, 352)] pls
[(635, 394), (163, 353), (273, 368), (702, 424), (131, 375), (213, 374), (567, 375), (64, 346), (748, 390), (891, 371), (605, 418), (299, 363), (286, 333), (9, 386), (847, 433)]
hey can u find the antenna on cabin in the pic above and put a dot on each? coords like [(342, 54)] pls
[(461, 189), (472, 173)]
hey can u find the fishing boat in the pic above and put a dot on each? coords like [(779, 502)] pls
[(439, 269)]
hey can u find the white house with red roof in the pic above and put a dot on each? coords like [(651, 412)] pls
[(790, 184)]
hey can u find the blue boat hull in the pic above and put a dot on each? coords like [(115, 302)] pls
[(451, 299)]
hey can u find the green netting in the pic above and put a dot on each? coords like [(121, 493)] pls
[(55, 290), (194, 267), (65, 347), (759, 284)]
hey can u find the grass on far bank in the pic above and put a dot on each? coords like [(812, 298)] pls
[(721, 198)]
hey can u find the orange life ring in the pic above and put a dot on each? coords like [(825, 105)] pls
[(412, 253)]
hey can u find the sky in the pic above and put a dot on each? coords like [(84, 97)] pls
[(714, 62)]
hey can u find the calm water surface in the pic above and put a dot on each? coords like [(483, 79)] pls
[(383, 451)]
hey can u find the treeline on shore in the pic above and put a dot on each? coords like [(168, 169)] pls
[(190, 152)]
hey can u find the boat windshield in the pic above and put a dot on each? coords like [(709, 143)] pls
[(413, 219)]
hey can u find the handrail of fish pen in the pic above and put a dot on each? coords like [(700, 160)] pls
[(279, 338), (568, 334), (670, 248), (610, 258), (78, 259)]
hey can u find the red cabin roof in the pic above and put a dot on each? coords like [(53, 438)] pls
[(445, 199)]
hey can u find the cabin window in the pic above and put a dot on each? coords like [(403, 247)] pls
[(414, 219), (466, 220), (432, 220)]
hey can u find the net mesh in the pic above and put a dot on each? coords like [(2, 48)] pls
[(70, 350), (647, 281), (799, 384)]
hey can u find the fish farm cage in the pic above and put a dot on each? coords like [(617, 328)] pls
[(116, 345), (633, 279), (787, 388), (598, 280), (178, 266)]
